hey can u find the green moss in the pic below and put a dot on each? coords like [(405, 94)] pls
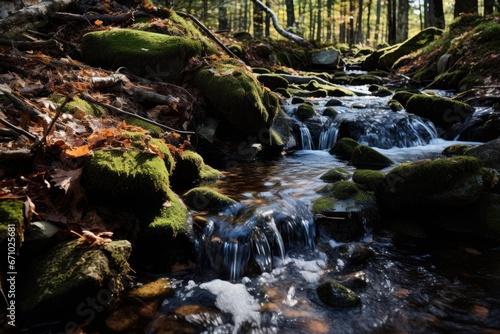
[(144, 53), (127, 178), (79, 104), (470, 81), (425, 74), (205, 198), (190, 169), (344, 148), (443, 112), (366, 157), (330, 112), (154, 130), (305, 111), (395, 105), (236, 95), (171, 220), (456, 149), (335, 295), (449, 80), (12, 212), (273, 81), (380, 91), (284, 92), (323, 204), (370, 179), (208, 173), (402, 97), (366, 80), (335, 174)]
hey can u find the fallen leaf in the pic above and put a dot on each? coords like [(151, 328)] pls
[(66, 179), (77, 152)]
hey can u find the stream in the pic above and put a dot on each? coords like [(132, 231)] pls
[(262, 259)]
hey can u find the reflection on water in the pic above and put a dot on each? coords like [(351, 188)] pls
[(410, 285)]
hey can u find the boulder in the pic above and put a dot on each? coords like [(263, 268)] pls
[(73, 281), (147, 54), (328, 57), (190, 170), (205, 198), (335, 174), (368, 158), (344, 148)]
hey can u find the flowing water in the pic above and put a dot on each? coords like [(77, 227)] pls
[(261, 260)]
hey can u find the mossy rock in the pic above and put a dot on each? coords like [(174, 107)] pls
[(426, 74), (205, 198), (129, 179), (333, 103), (12, 221), (60, 283), (273, 81), (76, 106), (370, 179), (236, 49), (335, 174), (154, 130), (368, 158), (366, 80), (330, 112), (340, 191), (307, 93), (449, 80), (305, 111), (456, 149), (283, 92), (380, 91), (421, 39), (144, 53), (395, 105), (298, 100), (238, 96), (451, 182), (337, 296), (344, 148), (470, 81), (190, 170), (443, 112), (402, 97)]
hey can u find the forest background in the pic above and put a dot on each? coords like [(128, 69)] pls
[(352, 22)]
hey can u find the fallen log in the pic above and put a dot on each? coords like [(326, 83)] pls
[(105, 18)]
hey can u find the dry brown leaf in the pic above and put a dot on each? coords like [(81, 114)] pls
[(66, 179), (77, 152)]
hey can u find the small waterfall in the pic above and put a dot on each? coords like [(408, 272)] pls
[(243, 239), (305, 138), (328, 137)]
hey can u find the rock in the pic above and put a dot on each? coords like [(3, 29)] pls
[(402, 97), (12, 222), (335, 174), (330, 112), (370, 179), (443, 112), (488, 153), (328, 57), (395, 105), (366, 80), (273, 81), (333, 103), (449, 80), (456, 149), (354, 253), (355, 280), (205, 198), (144, 53), (159, 289), (344, 148), (38, 236), (344, 211), (190, 170), (305, 111), (368, 158), (73, 281), (442, 64), (128, 179), (446, 182), (483, 126), (237, 96), (335, 295)]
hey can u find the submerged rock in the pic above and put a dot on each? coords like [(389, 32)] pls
[(335, 295), (335, 174)]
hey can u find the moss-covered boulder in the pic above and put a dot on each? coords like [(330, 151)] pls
[(305, 111), (344, 211), (79, 108), (380, 91), (449, 80), (337, 296), (366, 80), (372, 180), (451, 182), (12, 222), (395, 105), (190, 170), (335, 174), (205, 198), (238, 97), (344, 148), (146, 54), (402, 96), (330, 112), (443, 112), (488, 153), (130, 179), (456, 149), (368, 158), (273, 81), (73, 281)]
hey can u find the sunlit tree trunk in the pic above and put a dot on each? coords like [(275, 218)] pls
[(402, 21), (290, 13), (319, 21), (465, 6), (377, 22), (342, 26), (267, 27), (330, 25)]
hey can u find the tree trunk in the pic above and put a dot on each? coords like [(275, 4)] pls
[(359, 25), (268, 21), (258, 21), (368, 22), (30, 17), (377, 22), (437, 9), (391, 22), (290, 13), (465, 6), (319, 21), (223, 21), (330, 21), (489, 6), (297, 39), (402, 21)]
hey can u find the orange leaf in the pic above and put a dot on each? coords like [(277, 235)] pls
[(77, 152), (98, 23)]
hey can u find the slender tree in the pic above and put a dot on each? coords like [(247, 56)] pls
[(465, 6), (290, 13), (368, 22), (330, 25), (402, 21), (391, 21), (489, 7), (377, 22), (223, 19), (436, 14), (258, 21), (359, 24), (319, 23)]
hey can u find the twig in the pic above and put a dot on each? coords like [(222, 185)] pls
[(38, 45), (19, 130), (90, 99), (58, 113)]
